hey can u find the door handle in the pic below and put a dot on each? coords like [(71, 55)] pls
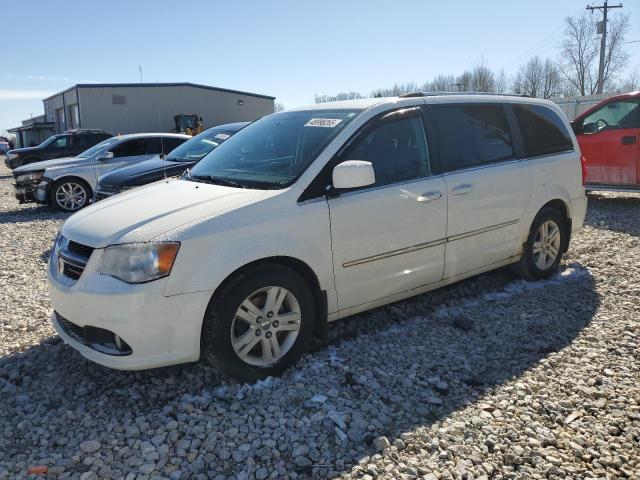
[(461, 189), (630, 140), (429, 196)]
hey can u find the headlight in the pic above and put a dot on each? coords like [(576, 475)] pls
[(31, 177), (139, 262), (11, 156)]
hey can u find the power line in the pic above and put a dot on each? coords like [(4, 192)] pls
[(602, 28)]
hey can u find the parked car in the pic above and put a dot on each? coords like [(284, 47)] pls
[(68, 183), (67, 144), (157, 168), (311, 215), (4, 147), (609, 138)]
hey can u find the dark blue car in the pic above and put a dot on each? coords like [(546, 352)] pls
[(176, 162)]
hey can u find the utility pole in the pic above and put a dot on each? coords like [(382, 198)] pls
[(603, 39), (140, 70)]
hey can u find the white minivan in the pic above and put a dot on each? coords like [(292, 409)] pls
[(311, 215)]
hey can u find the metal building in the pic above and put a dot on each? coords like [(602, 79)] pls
[(150, 107)]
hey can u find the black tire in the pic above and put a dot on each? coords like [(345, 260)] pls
[(528, 267), (216, 344), (57, 205)]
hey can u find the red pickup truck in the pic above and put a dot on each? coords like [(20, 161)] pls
[(609, 138)]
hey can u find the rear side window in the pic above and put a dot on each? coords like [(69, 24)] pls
[(397, 149), (473, 135), (543, 131), (169, 143), (130, 148)]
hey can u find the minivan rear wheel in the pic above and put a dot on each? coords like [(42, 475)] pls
[(544, 247), (259, 324)]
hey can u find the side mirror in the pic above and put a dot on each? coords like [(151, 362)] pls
[(590, 128), (353, 174), (106, 156)]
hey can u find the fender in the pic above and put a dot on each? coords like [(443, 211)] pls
[(213, 249)]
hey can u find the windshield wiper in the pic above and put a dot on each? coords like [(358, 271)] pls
[(218, 181)]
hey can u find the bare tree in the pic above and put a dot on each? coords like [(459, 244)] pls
[(278, 107), (632, 82), (580, 50), (482, 78), (397, 89), (538, 78), (339, 96), (502, 82)]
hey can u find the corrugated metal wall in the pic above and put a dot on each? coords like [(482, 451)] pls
[(64, 100), (151, 109)]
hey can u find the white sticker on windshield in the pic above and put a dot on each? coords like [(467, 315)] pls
[(323, 122), (222, 136)]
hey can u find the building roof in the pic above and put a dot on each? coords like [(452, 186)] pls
[(147, 85)]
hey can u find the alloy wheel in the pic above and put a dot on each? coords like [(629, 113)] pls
[(546, 245), (71, 196), (265, 326)]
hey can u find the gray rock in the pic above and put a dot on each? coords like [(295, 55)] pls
[(90, 446)]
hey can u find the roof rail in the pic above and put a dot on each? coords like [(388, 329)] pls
[(442, 93), (84, 130)]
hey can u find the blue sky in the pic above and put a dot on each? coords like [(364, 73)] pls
[(290, 49)]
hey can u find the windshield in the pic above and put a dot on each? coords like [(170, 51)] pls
[(273, 151), (48, 141), (96, 148), (197, 147)]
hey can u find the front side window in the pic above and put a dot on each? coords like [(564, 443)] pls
[(130, 148), (397, 150), (60, 142), (274, 151), (543, 131), (613, 116), (473, 135)]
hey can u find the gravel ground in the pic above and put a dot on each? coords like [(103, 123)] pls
[(490, 378)]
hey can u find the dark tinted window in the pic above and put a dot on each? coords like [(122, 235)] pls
[(473, 135), (397, 149), (84, 141), (543, 132), (130, 148), (169, 143), (154, 146)]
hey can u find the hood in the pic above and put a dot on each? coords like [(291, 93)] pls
[(144, 172), (145, 213), (51, 164), (20, 151)]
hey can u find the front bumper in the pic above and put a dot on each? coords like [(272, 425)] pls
[(29, 192), (159, 330)]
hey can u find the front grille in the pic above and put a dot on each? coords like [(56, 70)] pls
[(74, 257), (101, 196), (98, 339), (80, 249), (72, 271), (108, 188)]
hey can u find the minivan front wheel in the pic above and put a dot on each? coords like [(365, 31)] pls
[(259, 324), (544, 247), (69, 195)]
